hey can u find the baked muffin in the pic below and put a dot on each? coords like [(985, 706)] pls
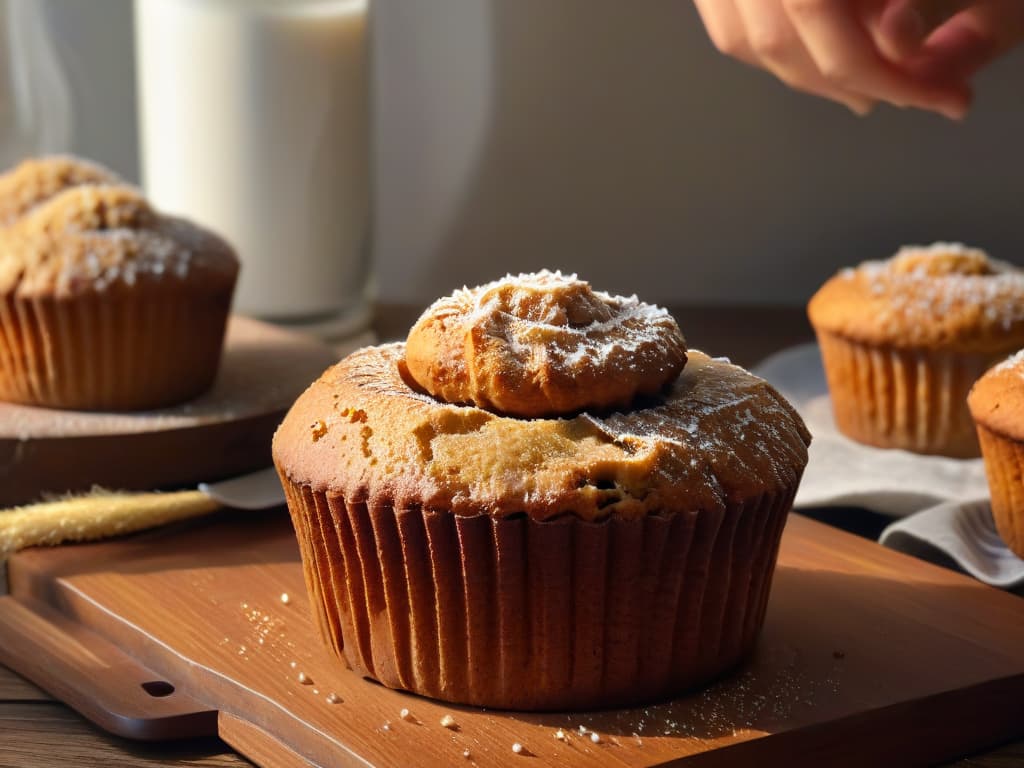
[(997, 405), (903, 340), (107, 305), (589, 558), (37, 179)]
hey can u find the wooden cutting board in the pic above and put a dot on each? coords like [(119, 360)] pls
[(224, 432), (868, 657)]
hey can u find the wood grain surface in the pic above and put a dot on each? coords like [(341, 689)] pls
[(222, 433), (866, 655), (39, 732), (42, 734)]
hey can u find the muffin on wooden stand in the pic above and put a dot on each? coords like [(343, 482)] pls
[(476, 527), (903, 340), (104, 303)]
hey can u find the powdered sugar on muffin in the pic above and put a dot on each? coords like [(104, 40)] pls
[(941, 294), (542, 344), (88, 237)]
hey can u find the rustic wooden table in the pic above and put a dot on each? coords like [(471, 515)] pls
[(37, 731)]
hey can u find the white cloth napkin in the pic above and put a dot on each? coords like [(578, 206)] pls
[(943, 502), (963, 532)]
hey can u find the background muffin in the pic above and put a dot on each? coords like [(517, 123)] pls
[(997, 405), (107, 305), (593, 560), (903, 340)]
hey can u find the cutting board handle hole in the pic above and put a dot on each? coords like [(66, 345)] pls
[(158, 688)]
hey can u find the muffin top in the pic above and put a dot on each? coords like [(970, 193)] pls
[(715, 435), (997, 399), (102, 237), (943, 296), (36, 180), (541, 345)]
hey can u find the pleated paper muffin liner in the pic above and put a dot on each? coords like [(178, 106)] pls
[(132, 349), (898, 398), (1004, 468), (519, 614)]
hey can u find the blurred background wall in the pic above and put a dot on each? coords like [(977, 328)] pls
[(609, 138)]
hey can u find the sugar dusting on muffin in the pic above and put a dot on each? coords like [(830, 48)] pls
[(1014, 362), (716, 428), (948, 278), (543, 344), (925, 295)]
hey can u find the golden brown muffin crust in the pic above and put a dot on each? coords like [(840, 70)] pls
[(36, 180), (543, 344), (997, 398), (718, 435), (88, 238), (943, 296)]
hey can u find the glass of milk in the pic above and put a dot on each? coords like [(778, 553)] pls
[(254, 120)]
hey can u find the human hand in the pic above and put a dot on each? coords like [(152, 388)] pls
[(918, 53)]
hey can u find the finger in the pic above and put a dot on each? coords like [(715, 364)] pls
[(777, 45), (955, 53), (970, 41), (847, 57), (725, 28), (906, 24)]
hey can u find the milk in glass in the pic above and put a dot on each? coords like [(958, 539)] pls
[(254, 121)]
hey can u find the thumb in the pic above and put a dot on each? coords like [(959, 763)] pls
[(906, 24)]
